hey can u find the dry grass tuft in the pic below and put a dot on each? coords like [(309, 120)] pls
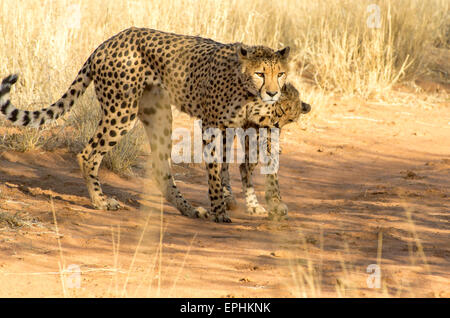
[(334, 46)]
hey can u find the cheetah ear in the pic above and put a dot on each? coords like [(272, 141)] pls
[(242, 52), (287, 86), (284, 53), (290, 90)]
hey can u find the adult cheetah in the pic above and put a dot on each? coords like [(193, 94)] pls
[(139, 73)]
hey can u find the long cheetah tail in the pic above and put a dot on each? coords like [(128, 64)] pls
[(45, 115)]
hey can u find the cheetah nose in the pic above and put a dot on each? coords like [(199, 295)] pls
[(271, 94)]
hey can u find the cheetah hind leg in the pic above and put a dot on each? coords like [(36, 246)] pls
[(104, 139), (156, 115)]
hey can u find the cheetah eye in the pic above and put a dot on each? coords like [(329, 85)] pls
[(259, 74), (280, 74)]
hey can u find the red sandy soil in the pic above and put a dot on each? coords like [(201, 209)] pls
[(363, 179)]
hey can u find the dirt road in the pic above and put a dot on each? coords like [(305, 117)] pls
[(364, 183)]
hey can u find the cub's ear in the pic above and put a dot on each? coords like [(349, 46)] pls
[(285, 87), (306, 108), (288, 88), (284, 53), (242, 51)]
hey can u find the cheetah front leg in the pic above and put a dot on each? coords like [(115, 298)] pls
[(230, 201), (216, 195), (277, 209), (246, 170), (252, 205), (156, 115), (215, 185)]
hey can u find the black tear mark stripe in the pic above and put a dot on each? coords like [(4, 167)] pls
[(260, 89)]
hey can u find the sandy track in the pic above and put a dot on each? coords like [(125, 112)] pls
[(357, 177)]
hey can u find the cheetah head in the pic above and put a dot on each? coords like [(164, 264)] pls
[(264, 70), (286, 110), (289, 107)]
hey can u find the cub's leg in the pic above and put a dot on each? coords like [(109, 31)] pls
[(252, 204), (156, 115), (277, 209), (109, 131), (246, 170)]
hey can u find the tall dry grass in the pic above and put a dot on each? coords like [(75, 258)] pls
[(48, 41)]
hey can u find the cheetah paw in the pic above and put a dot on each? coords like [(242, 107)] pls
[(256, 210), (201, 213), (108, 204), (278, 212), (230, 202), (221, 218)]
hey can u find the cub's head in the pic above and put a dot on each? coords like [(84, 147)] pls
[(289, 106), (264, 70), (286, 110)]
